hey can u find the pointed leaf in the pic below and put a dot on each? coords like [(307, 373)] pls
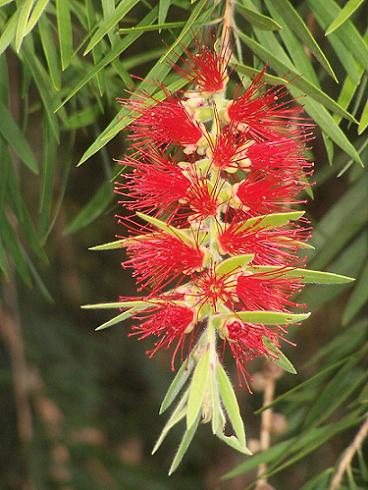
[(306, 275), (64, 24), (271, 220), (266, 317), (107, 24), (233, 263), (178, 382), (198, 388), (297, 24), (349, 8), (168, 229), (119, 318), (14, 136), (257, 19), (177, 415), (119, 304), (282, 361), (231, 404), (183, 447)]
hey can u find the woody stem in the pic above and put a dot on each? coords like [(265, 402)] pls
[(227, 22)]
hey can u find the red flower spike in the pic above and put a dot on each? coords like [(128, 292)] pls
[(281, 154), (158, 259), (277, 246), (229, 150), (169, 322), (264, 194), (206, 68), (156, 183), (212, 288), (267, 291), (166, 123), (245, 342), (265, 111), (206, 164)]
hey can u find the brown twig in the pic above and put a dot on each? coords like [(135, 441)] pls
[(10, 330), (227, 23), (271, 373), (348, 455)]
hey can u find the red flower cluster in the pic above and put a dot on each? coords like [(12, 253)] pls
[(214, 177)]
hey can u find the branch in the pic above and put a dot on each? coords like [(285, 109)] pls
[(349, 455)]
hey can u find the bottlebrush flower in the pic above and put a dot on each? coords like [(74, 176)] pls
[(246, 342), (158, 259), (277, 246), (268, 291), (262, 193), (264, 113), (156, 184), (169, 322), (206, 67), (202, 164), (168, 122)]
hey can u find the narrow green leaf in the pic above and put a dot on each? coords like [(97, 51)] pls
[(178, 382), (170, 230), (231, 404), (257, 19), (266, 317), (233, 442), (15, 249), (282, 361), (319, 377), (252, 73), (163, 10), (233, 263), (117, 319), (94, 208), (4, 266), (363, 123), (306, 275), (14, 136), (348, 10), (114, 53), (197, 389), (36, 14), (107, 24), (328, 10), (48, 46), (24, 13), (320, 480), (44, 86), (342, 385), (119, 304), (302, 62), (65, 32), (271, 220), (183, 447), (5, 2), (297, 24), (188, 26), (47, 178), (110, 245), (358, 298), (8, 33), (296, 78), (177, 415), (217, 416), (152, 27)]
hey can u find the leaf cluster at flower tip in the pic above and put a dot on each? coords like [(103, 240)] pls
[(215, 245)]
